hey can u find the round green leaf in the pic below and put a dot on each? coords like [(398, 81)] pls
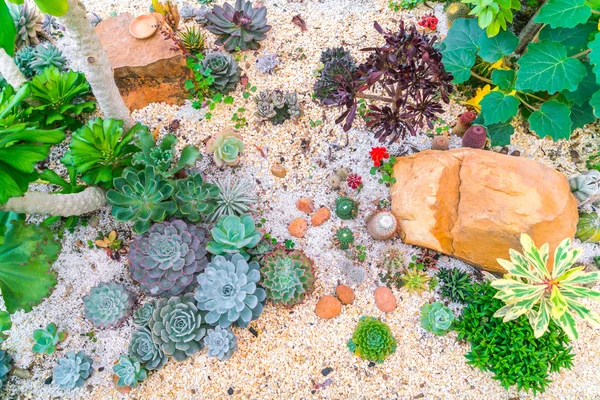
[(563, 13), (58, 8), (546, 67), (496, 107), (585, 89), (581, 115), (463, 35), (503, 78), (575, 40), (499, 134), (494, 48), (594, 56), (459, 64), (552, 119)]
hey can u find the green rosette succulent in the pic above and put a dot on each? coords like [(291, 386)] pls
[(287, 276), (233, 234), (228, 291), (6, 364), (129, 372), (220, 342), (436, 318), (23, 58), (372, 340), (143, 348), (141, 196), (346, 208), (108, 305), (224, 69), (226, 148), (47, 339), (195, 198), (72, 370), (142, 315), (176, 325), (47, 55)]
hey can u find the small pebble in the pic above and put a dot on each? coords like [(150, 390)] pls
[(320, 217), (371, 364), (278, 171), (345, 294), (253, 331), (326, 371), (385, 299), (328, 307), (230, 391), (298, 227), (48, 380), (305, 205)]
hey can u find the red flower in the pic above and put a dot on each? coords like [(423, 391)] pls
[(429, 21), (377, 154), (354, 181)]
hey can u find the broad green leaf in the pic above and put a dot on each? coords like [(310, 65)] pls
[(591, 317), (582, 115), (586, 88), (568, 325), (8, 31), (189, 155), (594, 56), (494, 48), (574, 39), (463, 35), (503, 78), (496, 107), (542, 319), (459, 64), (558, 303), (563, 13), (552, 119), (546, 67), (595, 103), (536, 257), (57, 8), (499, 134)]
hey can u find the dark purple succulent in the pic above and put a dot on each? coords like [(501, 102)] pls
[(167, 258)]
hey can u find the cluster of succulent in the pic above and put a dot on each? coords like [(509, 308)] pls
[(142, 315), (50, 23), (354, 275), (143, 348), (336, 178), (287, 276), (392, 263), (108, 305), (372, 340), (28, 23), (228, 292), (234, 197), (382, 225), (33, 60), (72, 370), (195, 198), (192, 39), (346, 208), (6, 364), (416, 280), (238, 27), (166, 260), (188, 12), (46, 339), (456, 285), (129, 372), (264, 247), (224, 71), (426, 260), (23, 58), (436, 318), (277, 106), (267, 63), (338, 66), (344, 238), (232, 234), (226, 148), (220, 342)]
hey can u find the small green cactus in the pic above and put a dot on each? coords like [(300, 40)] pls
[(344, 238), (129, 372), (372, 340), (436, 318), (47, 339), (456, 11), (346, 208)]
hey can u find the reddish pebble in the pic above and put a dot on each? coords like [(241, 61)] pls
[(298, 227), (328, 307), (305, 205), (385, 299), (322, 215), (121, 389), (345, 294)]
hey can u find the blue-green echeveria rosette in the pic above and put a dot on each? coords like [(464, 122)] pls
[(166, 260), (177, 325), (6, 363), (228, 291), (233, 234), (72, 370), (436, 318), (108, 305), (143, 349), (129, 372), (47, 339), (142, 315), (220, 342)]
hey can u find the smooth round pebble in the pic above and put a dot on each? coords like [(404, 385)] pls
[(385, 299), (328, 307), (345, 294)]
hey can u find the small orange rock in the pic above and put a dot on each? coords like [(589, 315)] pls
[(298, 227), (305, 205), (385, 299), (278, 171), (345, 294), (328, 307), (322, 215), (121, 389)]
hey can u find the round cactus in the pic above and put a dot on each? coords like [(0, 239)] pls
[(464, 121), (143, 349), (72, 370), (227, 290), (108, 305), (588, 227), (344, 238), (456, 11), (382, 225), (167, 259), (436, 318), (221, 343), (372, 340), (346, 208), (287, 277), (440, 142), (176, 325), (475, 137)]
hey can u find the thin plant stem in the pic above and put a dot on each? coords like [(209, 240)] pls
[(481, 77)]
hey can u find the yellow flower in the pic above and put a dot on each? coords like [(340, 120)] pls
[(498, 65), (479, 95)]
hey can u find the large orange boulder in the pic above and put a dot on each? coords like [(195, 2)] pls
[(474, 204), (146, 71)]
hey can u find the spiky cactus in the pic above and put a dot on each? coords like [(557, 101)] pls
[(344, 238), (382, 225), (346, 208), (287, 276)]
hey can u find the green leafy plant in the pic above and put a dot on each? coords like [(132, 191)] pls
[(192, 39), (5, 325), (141, 196), (129, 372), (499, 347), (436, 318), (554, 85), (72, 370), (287, 276), (416, 280), (277, 106), (233, 234), (108, 305), (456, 284), (55, 97), (372, 340), (46, 339), (493, 15), (101, 149), (47, 55), (23, 59), (530, 288)]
